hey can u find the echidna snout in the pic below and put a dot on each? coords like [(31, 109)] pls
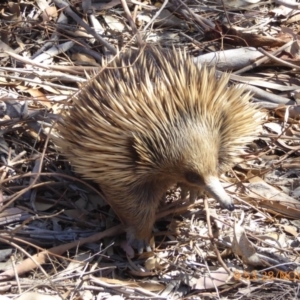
[(215, 189)]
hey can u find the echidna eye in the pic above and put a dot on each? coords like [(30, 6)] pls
[(194, 178)]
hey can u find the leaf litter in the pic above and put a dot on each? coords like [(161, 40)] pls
[(59, 238)]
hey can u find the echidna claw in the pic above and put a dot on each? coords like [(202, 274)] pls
[(140, 245), (231, 207)]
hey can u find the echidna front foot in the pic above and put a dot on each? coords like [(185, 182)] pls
[(192, 194), (139, 220), (140, 245)]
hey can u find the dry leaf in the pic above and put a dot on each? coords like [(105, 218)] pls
[(114, 23), (271, 198), (242, 247), (155, 263), (212, 280), (49, 13), (290, 229), (37, 296)]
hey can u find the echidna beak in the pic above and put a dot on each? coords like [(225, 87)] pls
[(216, 190)]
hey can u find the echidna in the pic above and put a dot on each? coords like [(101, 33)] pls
[(149, 120)]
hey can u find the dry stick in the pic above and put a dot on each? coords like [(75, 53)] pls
[(39, 170), (40, 184), (268, 97), (132, 24), (120, 288), (63, 5), (42, 257), (80, 280), (46, 174), (17, 275), (71, 69), (53, 39), (212, 238), (5, 168), (285, 63), (263, 59), (288, 3), (22, 192), (111, 4), (204, 23), (60, 76), (33, 218), (226, 14), (32, 260), (156, 15), (194, 41), (54, 51), (42, 82)]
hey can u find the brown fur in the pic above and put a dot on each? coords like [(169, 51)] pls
[(153, 119)]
